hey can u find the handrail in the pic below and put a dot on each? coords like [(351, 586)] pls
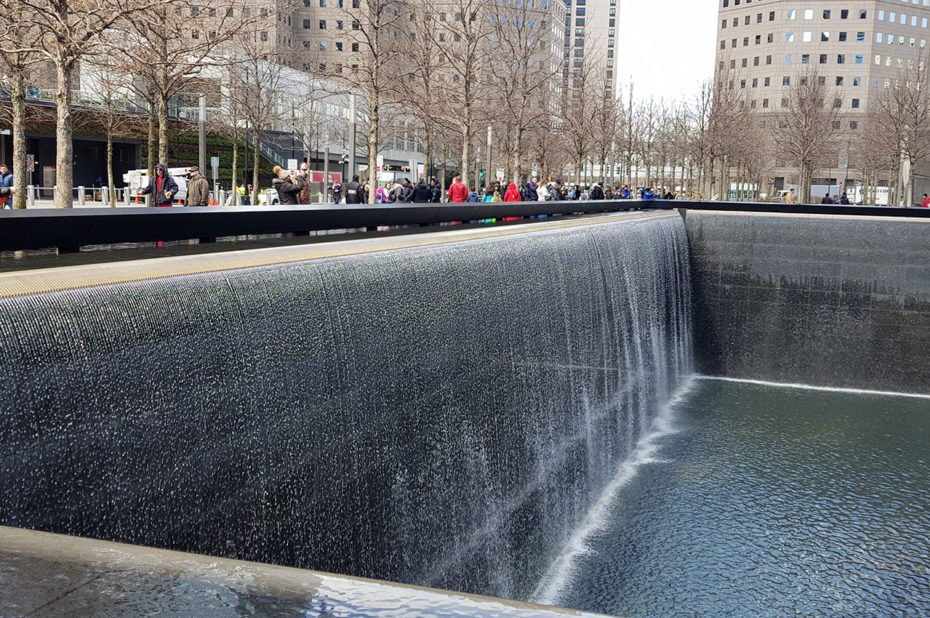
[(69, 229)]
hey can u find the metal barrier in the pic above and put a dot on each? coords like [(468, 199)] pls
[(70, 229)]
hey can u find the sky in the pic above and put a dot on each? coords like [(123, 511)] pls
[(666, 46)]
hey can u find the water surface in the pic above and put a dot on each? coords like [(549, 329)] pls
[(767, 501)]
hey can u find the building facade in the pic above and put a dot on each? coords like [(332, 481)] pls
[(590, 39), (858, 48)]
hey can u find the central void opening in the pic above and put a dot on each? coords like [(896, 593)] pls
[(767, 499)]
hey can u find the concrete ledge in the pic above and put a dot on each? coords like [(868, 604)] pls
[(56, 575), (22, 283)]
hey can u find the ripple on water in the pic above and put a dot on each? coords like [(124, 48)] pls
[(772, 501)]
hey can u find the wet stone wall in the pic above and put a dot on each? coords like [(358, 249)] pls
[(835, 301), (441, 416)]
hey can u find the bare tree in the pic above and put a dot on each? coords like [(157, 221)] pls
[(377, 33), (16, 67), (581, 100), (902, 112), (521, 70), (462, 42), (67, 31), (110, 96), (804, 132)]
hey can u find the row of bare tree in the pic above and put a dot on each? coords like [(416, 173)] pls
[(458, 70)]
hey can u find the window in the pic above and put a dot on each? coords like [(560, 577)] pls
[(823, 59), (860, 36), (853, 124), (784, 103), (767, 82), (839, 80), (787, 58), (837, 103), (881, 16), (770, 38), (841, 58), (723, 25), (322, 24), (824, 37), (836, 124), (306, 24), (821, 80), (755, 61), (771, 15), (732, 64), (844, 14), (842, 36), (826, 13), (786, 80), (805, 58), (857, 81), (759, 18), (745, 41), (768, 60), (790, 13), (746, 21), (755, 82), (860, 59), (765, 102), (758, 39), (355, 47), (745, 62), (808, 13), (789, 37), (855, 103), (338, 46), (323, 44), (863, 14)]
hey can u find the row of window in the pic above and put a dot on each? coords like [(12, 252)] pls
[(840, 58), (824, 37), (902, 19)]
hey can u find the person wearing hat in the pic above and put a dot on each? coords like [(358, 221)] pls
[(198, 189)]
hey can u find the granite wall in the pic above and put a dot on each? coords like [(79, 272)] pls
[(837, 301)]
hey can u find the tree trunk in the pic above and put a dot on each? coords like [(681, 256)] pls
[(257, 136), (442, 182), (235, 165), (18, 99), (110, 183), (427, 156), (518, 145), (374, 127), (152, 143), (466, 146), (64, 171), (163, 131), (723, 190)]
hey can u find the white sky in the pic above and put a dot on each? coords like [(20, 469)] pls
[(666, 46)]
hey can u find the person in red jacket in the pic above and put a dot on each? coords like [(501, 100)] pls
[(926, 202), (513, 194), (458, 192)]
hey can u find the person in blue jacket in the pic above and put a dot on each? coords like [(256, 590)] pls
[(6, 182)]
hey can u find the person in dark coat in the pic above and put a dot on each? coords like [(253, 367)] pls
[(422, 193), (287, 187), (354, 191), (596, 193), (162, 187), (532, 191), (435, 190)]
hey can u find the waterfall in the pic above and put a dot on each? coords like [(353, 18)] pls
[(443, 416)]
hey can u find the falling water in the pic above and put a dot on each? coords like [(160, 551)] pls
[(444, 416)]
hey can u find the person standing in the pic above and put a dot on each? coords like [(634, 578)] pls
[(924, 204), (354, 192), (435, 195), (306, 192), (198, 189), (458, 192), (6, 182), (421, 193), (512, 194), (789, 197), (287, 186), (162, 187), (597, 193), (532, 191)]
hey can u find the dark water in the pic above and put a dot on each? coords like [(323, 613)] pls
[(771, 501)]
